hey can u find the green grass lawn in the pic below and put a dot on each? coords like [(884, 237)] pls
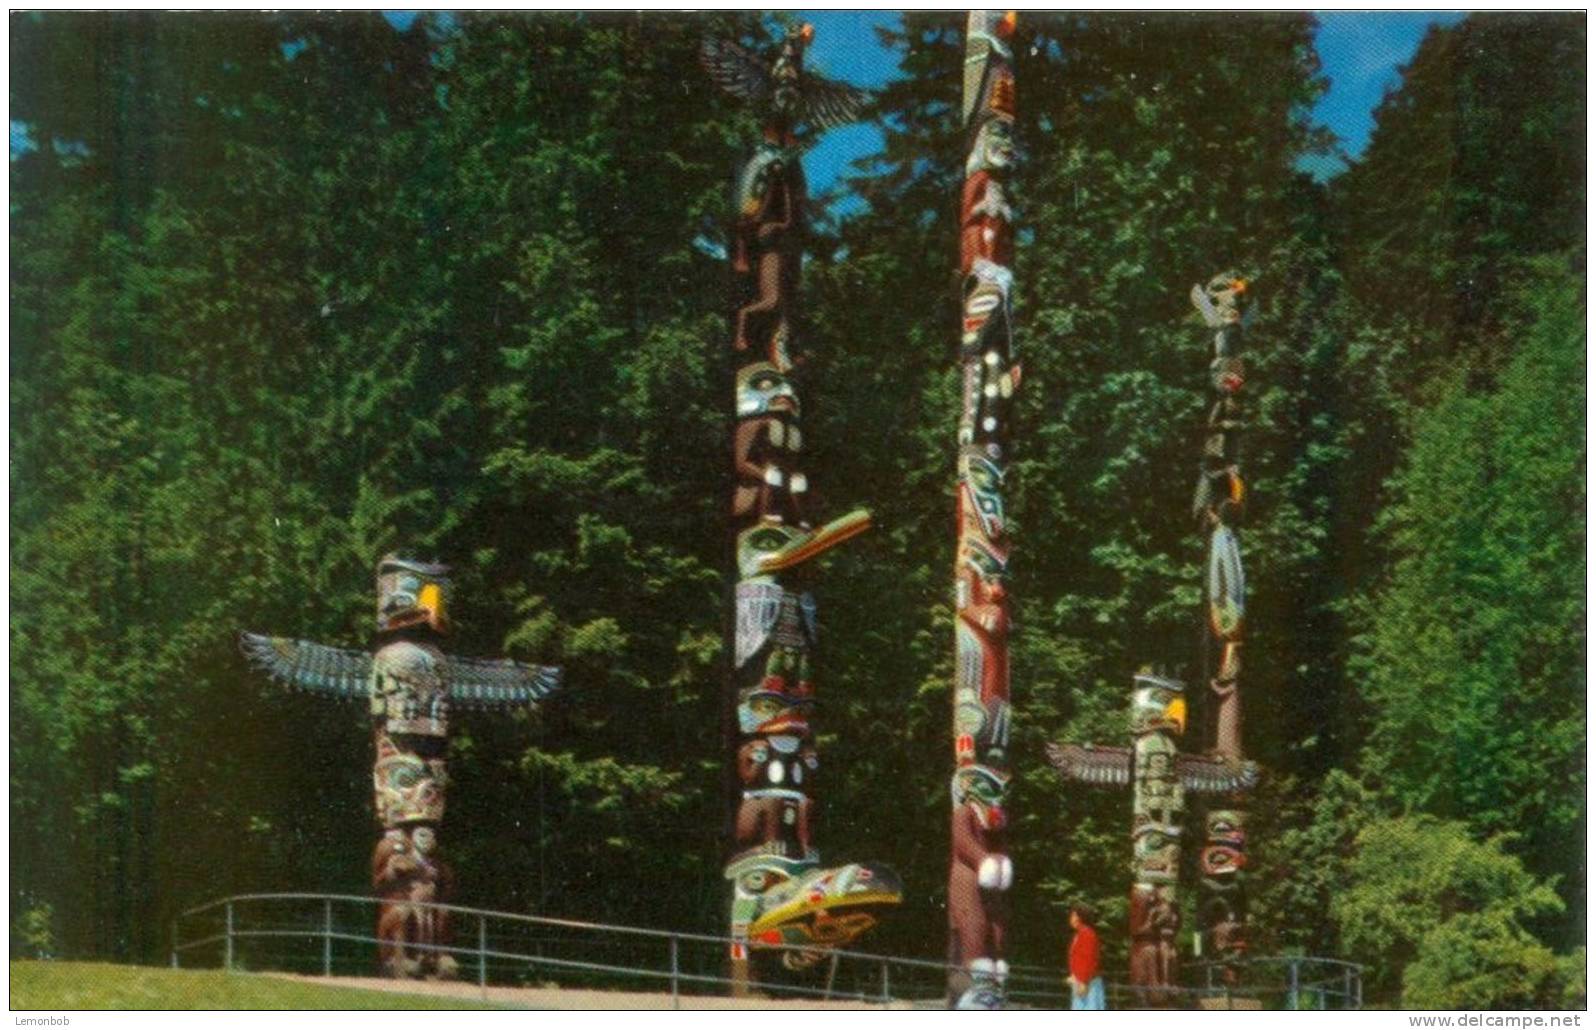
[(101, 985)]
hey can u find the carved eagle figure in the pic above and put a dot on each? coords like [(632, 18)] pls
[(340, 672), (780, 85), (1111, 767)]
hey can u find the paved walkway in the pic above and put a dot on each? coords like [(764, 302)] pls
[(567, 998)]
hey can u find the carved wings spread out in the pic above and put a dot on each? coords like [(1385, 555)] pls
[(828, 104), (735, 69), (1206, 774), (486, 682), (314, 667), (1111, 767), (340, 672), (1088, 763), (743, 74)]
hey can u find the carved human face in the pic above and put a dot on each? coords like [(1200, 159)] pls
[(764, 389)]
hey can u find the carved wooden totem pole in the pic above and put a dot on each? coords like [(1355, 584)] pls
[(780, 894), (1218, 507), (980, 872), (1159, 776), (411, 686)]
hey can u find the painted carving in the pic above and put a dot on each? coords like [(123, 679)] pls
[(784, 903), (1159, 776), (980, 871), (410, 686), (1158, 718), (1218, 505)]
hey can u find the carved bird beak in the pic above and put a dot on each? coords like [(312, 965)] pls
[(1176, 712), (431, 602), (807, 33), (817, 542), (1007, 23)]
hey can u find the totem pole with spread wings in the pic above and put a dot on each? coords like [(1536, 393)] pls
[(411, 686), (1158, 775), (783, 900)]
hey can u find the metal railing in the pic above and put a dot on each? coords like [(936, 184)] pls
[(271, 931), (1279, 982), (330, 934)]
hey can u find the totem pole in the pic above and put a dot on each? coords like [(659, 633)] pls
[(781, 897), (1160, 777), (411, 686), (1218, 507), (980, 872)]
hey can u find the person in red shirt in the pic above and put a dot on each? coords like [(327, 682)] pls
[(1086, 983)]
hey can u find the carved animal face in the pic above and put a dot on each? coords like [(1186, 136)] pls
[(983, 483), (981, 573), (984, 789), (406, 789), (787, 72), (774, 711), (757, 543), (1159, 704), (1227, 293), (994, 147), (411, 593), (763, 389)]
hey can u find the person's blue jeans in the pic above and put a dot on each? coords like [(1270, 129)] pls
[(1093, 1000)]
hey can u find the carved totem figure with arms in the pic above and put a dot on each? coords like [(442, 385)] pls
[(411, 687)]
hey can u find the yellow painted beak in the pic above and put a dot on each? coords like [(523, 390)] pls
[(1176, 712), (821, 540), (431, 601)]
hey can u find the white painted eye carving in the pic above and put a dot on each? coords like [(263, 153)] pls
[(778, 772)]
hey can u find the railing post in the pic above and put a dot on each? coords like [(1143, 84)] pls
[(1291, 998), (886, 983), (174, 944), (326, 938), (227, 955), (482, 952), (676, 968)]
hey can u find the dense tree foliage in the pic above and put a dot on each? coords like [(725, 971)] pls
[(289, 291)]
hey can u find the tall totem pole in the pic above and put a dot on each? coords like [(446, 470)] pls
[(980, 872), (782, 900), (1161, 777), (1218, 507), (411, 686)]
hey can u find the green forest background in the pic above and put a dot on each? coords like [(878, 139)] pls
[(290, 291)]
